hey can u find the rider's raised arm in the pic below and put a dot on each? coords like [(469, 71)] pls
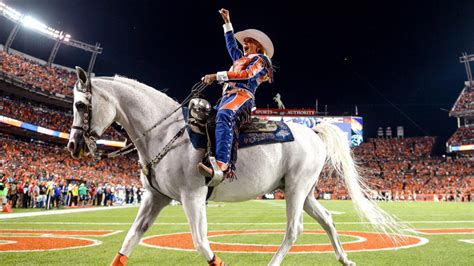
[(231, 43), (259, 68)]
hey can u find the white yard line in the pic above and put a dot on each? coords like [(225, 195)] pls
[(273, 203), (54, 212), (185, 223), (283, 205)]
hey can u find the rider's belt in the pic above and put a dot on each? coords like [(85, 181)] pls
[(237, 90)]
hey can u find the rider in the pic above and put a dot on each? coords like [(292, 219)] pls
[(248, 71)]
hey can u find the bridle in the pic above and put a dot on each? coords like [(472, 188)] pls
[(90, 137)]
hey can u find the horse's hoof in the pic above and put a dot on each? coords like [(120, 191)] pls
[(349, 263), (119, 260), (216, 261)]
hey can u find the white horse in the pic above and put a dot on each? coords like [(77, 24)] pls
[(278, 100), (295, 165)]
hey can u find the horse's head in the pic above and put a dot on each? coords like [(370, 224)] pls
[(93, 111)]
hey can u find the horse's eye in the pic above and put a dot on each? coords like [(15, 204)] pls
[(80, 106)]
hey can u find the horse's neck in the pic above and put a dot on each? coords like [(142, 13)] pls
[(139, 109)]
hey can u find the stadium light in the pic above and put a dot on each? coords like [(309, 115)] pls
[(10, 12), (33, 23), (26, 21)]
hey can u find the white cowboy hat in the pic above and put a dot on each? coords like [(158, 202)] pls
[(259, 36)]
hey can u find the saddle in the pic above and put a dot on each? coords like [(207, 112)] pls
[(201, 117), (249, 131)]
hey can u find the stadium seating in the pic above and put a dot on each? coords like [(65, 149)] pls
[(44, 78), (465, 102), (45, 116), (404, 168), (462, 136)]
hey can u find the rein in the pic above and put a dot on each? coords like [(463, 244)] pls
[(195, 90), (146, 168)]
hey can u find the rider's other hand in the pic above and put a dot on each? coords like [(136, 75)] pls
[(225, 15), (209, 79)]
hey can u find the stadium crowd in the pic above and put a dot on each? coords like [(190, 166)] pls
[(44, 116), (462, 136), (33, 172), (37, 174), (37, 76), (403, 169), (465, 101)]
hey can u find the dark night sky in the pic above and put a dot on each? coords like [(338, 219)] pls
[(397, 61)]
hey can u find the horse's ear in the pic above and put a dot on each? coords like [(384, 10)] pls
[(81, 75)]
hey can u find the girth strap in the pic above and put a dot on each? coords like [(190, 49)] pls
[(147, 168)]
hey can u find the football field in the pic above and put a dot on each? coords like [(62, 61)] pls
[(242, 233)]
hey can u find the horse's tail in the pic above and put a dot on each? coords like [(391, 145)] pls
[(340, 159)]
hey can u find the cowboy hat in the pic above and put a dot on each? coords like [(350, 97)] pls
[(259, 36)]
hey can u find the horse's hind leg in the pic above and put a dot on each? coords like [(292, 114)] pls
[(150, 207), (324, 218)]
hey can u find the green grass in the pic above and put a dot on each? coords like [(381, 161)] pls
[(441, 249), (274, 239), (25, 210)]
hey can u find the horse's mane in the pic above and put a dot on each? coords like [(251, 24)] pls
[(132, 82), (135, 84)]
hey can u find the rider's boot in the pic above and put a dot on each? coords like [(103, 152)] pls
[(216, 172)]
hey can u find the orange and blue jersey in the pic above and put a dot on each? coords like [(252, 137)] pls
[(243, 78), (247, 71)]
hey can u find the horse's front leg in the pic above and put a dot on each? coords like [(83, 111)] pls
[(294, 227), (150, 207), (194, 204)]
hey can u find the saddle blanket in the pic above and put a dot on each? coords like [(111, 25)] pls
[(246, 139)]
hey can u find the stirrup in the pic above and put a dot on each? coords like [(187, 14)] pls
[(215, 173)]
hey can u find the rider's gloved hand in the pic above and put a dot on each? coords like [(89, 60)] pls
[(225, 15), (209, 78)]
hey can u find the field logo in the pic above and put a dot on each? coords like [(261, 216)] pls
[(26, 240), (365, 241)]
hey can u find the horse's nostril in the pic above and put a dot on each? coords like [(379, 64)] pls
[(71, 145)]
